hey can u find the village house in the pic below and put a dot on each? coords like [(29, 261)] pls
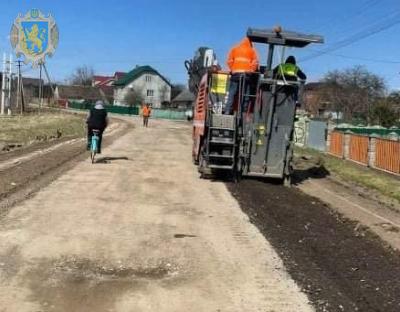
[(30, 87), (63, 94), (106, 85), (313, 104), (148, 85), (183, 101), (106, 82)]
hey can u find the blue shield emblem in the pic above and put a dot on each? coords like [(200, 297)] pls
[(35, 37)]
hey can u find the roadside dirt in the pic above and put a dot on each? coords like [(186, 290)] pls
[(340, 264), (28, 176), (379, 213), (311, 167), (17, 152)]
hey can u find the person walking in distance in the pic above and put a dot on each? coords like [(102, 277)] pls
[(146, 112)]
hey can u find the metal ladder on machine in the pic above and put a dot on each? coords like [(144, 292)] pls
[(221, 146), (243, 157)]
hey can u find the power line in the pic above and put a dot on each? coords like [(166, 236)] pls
[(364, 8), (358, 58), (376, 28)]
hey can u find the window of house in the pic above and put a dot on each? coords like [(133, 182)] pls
[(150, 92), (148, 78)]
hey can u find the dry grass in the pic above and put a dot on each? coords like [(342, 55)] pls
[(382, 182), (29, 128)]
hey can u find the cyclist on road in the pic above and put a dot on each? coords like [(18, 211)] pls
[(97, 120)]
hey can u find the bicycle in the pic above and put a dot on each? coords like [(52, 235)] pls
[(94, 144)]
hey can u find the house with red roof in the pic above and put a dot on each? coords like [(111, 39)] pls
[(106, 84)]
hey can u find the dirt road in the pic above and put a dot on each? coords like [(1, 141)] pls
[(138, 231)]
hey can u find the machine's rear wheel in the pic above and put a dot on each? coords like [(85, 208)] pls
[(237, 170), (205, 173), (287, 181), (202, 165)]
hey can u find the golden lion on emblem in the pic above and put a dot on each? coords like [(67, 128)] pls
[(34, 39)]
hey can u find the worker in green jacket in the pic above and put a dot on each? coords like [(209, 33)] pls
[(289, 70)]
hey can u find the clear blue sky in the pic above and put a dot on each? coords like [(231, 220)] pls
[(117, 35)]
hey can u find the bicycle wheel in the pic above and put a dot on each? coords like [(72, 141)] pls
[(92, 155), (93, 147)]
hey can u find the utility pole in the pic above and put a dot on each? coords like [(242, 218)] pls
[(19, 85), (3, 85), (22, 96), (9, 84), (40, 87), (49, 80)]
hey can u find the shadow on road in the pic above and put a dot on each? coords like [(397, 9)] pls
[(107, 160), (314, 172)]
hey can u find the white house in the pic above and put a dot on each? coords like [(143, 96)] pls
[(153, 87)]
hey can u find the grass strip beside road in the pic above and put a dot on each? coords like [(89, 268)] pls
[(33, 127), (346, 170)]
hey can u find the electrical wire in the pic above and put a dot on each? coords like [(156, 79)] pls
[(372, 30), (358, 58), (359, 13)]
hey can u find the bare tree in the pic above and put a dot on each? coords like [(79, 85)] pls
[(83, 76), (384, 114), (352, 91), (133, 97), (387, 113), (394, 101)]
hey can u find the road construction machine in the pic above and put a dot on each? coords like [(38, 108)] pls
[(256, 141)]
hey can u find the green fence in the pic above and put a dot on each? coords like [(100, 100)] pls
[(168, 114), (123, 110), (134, 110), (370, 131)]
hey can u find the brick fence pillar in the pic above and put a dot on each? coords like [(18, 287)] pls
[(372, 152), (328, 142), (346, 148)]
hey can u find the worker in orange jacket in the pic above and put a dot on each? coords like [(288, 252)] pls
[(242, 59), (146, 112)]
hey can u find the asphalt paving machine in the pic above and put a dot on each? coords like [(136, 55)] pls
[(256, 142)]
